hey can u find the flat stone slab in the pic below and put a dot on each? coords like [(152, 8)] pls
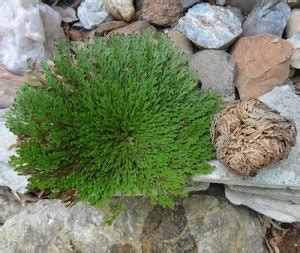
[(284, 174), (278, 194), (285, 211)]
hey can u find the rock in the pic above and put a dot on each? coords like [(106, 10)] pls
[(8, 140), (179, 40), (284, 211), (189, 3), (9, 204), (245, 6), (263, 62), (220, 2), (267, 16), (273, 193), (108, 26), (292, 26), (296, 84), (91, 13), (35, 40), (120, 9), (216, 70), (161, 13), (8, 177), (68, 14), (137, 26), (238, 13), (282, 175), (8, 91), (295, 42), (200, 223), (210, 26)]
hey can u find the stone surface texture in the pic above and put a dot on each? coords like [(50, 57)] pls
[(67, 14), (216, 70), (293, 26), (35, 40), (161, 13), (91, 13), (181, 41), (120, 9), (200, 223), (267, 16), (277, 194), (295, 42), (263, 62), (189, 3), (284, 211), (210, 26), (238, 13), (8, 177), (8, 91), (245, 6)]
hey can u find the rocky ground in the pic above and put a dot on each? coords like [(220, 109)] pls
[(240, 48)]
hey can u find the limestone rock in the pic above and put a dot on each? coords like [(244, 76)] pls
[(189, 3), (282, 175), (216, 70), (200, 223), (9, 204), (161, 13), (67, 14), (179, 40), (120, 9), (292, 26), (245, 6), (210, 26), (91, 13), (295, 42), (263, 62), (8, 177), (28, 30), (238, 13), (284, 211), (137, 26), (267, 16), (272, 193)]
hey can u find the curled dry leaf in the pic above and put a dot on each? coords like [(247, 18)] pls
[(248, 135)]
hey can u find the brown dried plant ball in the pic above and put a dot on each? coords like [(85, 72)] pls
[(248, 135)]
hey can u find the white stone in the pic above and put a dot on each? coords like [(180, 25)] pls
[(91, 13), (295, 42), (7, 140), (285, 211), (9, 177), (286, 173), (28, 30), (278, 194), (68, 14), (120, 9), (210, 26)]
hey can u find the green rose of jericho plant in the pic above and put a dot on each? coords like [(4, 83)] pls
[(114, 117)]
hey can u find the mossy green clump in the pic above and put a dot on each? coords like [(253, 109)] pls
[(115, 117)]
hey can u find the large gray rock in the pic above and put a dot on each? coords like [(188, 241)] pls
[(292, 26), (216, 70), (245, 6), (210, 26), (267, 16), (200, 223), (28, 29), (286, 173), (285, 211)]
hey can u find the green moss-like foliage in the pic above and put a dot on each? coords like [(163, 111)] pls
[(115, 117)]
